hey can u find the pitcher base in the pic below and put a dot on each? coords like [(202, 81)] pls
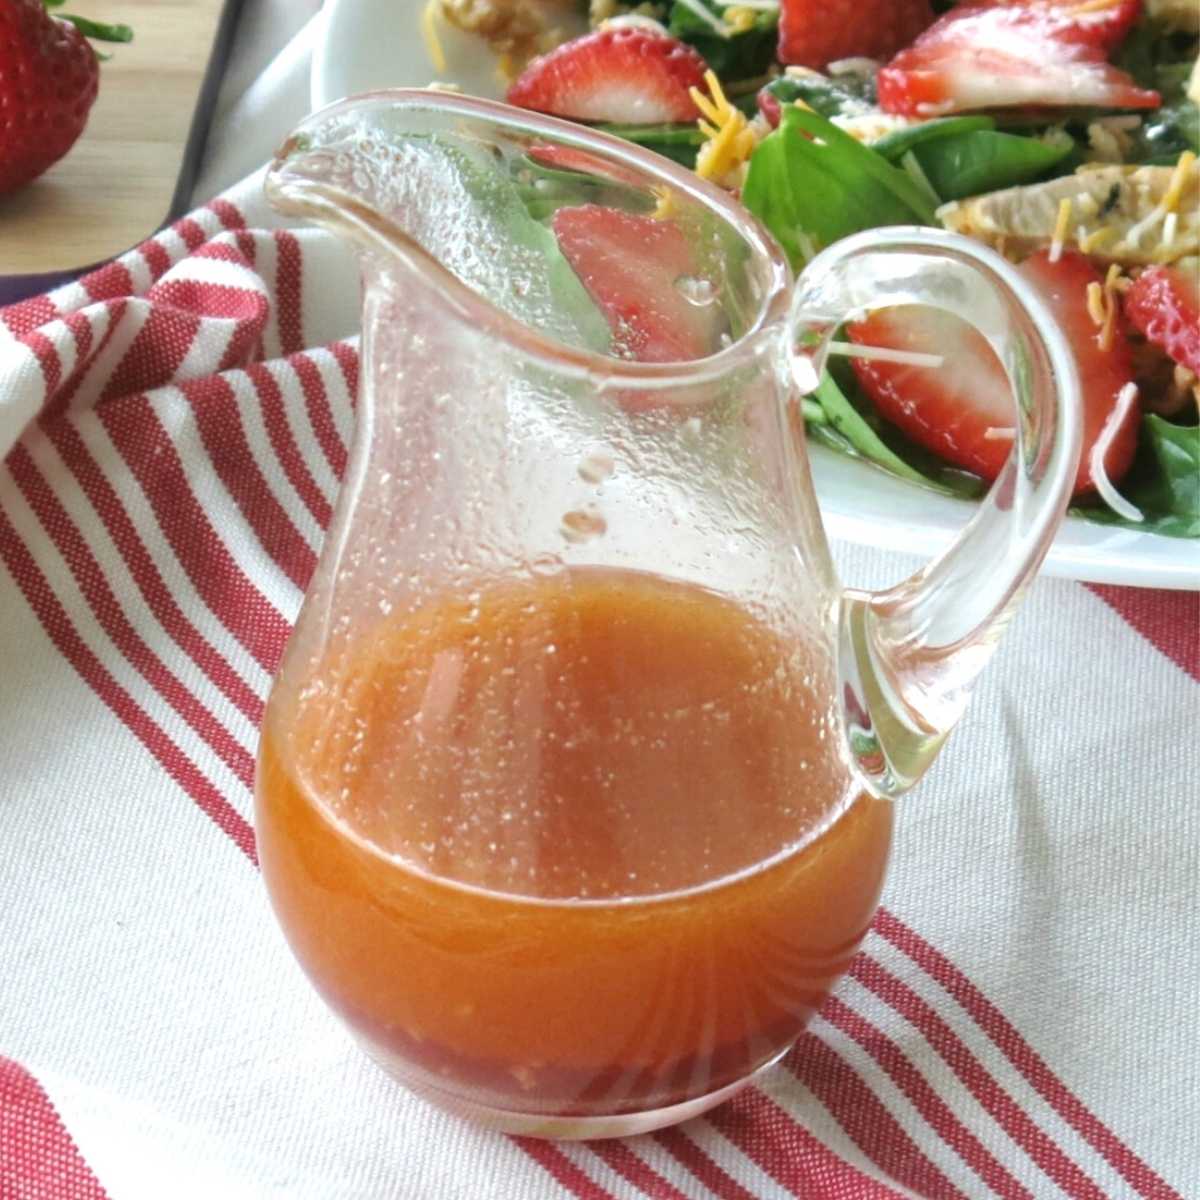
[(567, 1128)]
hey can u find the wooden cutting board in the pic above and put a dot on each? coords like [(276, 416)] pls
[(131, 170)]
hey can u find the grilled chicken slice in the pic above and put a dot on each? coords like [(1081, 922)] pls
[(1133, 216)]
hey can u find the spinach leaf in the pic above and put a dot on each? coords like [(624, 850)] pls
[(677, 142), (895, 145), (846, 96), (1159, 59), (964, 156), (742, 55), (1164, 482), (849, 424), (1166, 133), (984, 160), (810, 181)]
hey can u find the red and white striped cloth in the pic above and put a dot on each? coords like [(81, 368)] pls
[(1021, 1023)]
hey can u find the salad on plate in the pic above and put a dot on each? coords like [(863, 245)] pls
[(1063, 133)]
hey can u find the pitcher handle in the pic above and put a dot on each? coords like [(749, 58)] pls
[(909, 655)]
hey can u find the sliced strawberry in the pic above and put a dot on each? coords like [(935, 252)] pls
[(963, 410), (641, 272), (813, 33), (976, 56), (631, 76), (1164, 304), (571, 158), (1103, 28)]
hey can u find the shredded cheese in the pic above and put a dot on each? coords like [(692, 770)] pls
[(1170, 228), (1060, 229), (1126, 398), (729, 140), (1168, 205), (740, 18), (911, 358), (433, 43), (1170, 201), (1096, 239), (1102, 304), (1091, 6), (666, 208), (506, 70), (999, 433)]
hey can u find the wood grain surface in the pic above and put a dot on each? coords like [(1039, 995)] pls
[(114, 188)]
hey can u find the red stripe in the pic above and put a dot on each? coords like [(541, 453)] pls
[(154, 355), (46, 354), (320, 415), (1011, 1117), (860, 1112), (924, 1099), (154, 461), (75, 453), (284, 444), (38, 1157), (789, 1153), (248, 245), (87, 573), (109, 282), (1169, 621), (158, 258), (27, 315), (62, 633), (288, 308), (219, 420), (1013, 1046), (217, 300), (228, 214), (347, 359), (713, 1176), (191, 231), (622, 1159), (562, 1169), (86, 355)]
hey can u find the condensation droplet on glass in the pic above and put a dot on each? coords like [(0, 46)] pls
[(581, 525), (596, 467), (544, 564), (696, 290)]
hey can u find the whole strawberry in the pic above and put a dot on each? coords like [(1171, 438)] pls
[(49, 77)]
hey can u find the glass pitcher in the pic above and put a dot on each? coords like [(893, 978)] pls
[(575, 785)]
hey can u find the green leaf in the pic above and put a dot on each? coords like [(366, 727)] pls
[(494, 206), (810, 180), (102, 33), (1166, 133), (1164, 482), (743, 55), (984, 160), (850, 425), (846, 96), (893, 146), (677, 142)]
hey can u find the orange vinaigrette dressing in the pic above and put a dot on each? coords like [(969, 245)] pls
[(578, 845)]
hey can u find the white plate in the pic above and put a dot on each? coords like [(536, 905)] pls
[(368, 44)]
